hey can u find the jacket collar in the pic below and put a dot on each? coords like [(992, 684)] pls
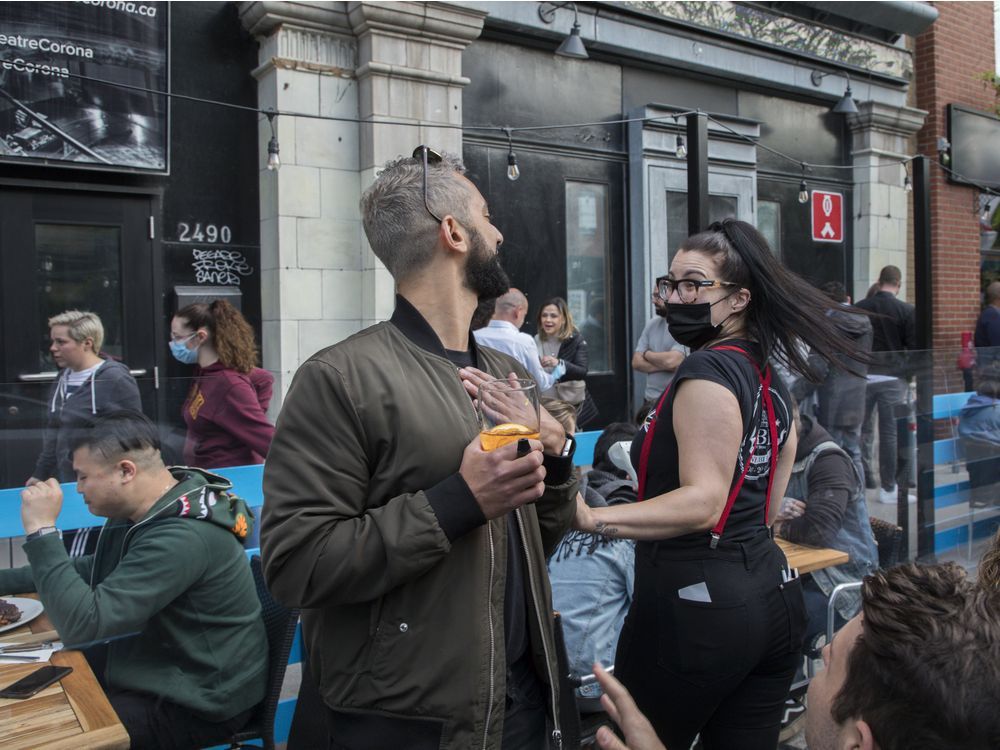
[(415, 327)]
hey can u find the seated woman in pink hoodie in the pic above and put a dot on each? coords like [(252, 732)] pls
[(225, 408)]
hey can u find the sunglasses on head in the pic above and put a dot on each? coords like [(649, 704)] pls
[(428, 156)]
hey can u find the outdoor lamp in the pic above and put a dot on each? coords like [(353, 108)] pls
[(273, 161), (845, 105), (572, 46), (513, 171), (682, 150)]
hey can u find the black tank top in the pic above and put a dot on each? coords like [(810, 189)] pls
[(736, 373)]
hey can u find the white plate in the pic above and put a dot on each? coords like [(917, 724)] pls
[(30, 609)]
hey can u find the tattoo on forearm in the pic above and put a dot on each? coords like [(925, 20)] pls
[(602, 528)]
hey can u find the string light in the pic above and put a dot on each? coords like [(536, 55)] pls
[(273, 161), (682, 149), (943, 145), (803, 188), (513, 171)]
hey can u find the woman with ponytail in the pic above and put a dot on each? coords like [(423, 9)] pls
[(714, 633), (225, 408)]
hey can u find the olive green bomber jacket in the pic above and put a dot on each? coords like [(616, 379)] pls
[(366, 525)]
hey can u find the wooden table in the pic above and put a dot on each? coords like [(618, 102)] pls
[(807, 559), (72, 714)]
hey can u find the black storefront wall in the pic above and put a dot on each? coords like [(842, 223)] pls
[(204, 214), (515, 86)]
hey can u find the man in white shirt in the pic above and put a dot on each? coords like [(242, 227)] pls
[(657, 353), (504, 334)]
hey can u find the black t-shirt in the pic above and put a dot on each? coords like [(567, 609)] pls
[(733, 371)]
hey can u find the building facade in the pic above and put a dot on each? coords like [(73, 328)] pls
[(600, 204)]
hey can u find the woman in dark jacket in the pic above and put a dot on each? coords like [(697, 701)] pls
[(559, 341)]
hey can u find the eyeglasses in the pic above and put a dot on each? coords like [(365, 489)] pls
[(687, 289), (428, 156)]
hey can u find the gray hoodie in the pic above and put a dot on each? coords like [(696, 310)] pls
[(111, 388)]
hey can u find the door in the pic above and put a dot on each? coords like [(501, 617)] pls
[(62, 250), (564, 236), (730, 192)]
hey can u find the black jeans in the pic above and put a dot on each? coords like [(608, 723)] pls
[(720, 668), (155, 724), (888, 400)]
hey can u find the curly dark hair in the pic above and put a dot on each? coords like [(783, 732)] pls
[(925, 671), (228, 330)]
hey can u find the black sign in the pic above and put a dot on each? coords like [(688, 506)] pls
[(52, 107)]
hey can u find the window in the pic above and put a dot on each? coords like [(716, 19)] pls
[(588, 262), (719, 207)]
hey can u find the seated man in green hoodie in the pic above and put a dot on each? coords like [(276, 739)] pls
[(169, 571)]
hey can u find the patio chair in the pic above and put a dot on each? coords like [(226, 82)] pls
[(280, 624)]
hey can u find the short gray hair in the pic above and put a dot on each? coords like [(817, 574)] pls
[(81, 326), (400, 231)]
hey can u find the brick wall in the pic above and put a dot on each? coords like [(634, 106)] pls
[(949, 56)]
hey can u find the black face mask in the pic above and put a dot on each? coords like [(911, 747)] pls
[(691, 324)]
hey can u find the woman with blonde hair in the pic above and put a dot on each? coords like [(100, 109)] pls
[(88, 386), (558, 340), (225, 408)]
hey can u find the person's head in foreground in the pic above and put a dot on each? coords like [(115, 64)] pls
[(425, 219), (119, 470), (918, 669)]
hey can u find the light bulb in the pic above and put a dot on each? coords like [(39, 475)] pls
[(803, 192), (907, 185), (513, 171), (273, 162), (682, 150)]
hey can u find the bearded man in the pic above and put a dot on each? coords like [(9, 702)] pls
[(418, 558)]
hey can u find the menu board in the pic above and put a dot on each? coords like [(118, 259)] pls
[(76, 83)]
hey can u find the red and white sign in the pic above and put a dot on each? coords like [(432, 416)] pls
[(827, 216)]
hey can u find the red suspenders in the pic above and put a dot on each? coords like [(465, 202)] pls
[(765, 384)]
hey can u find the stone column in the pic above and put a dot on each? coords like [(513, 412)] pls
[(382, 62), (409, 71), (881, 205), (309, 223)]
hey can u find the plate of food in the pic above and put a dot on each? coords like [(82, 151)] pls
[(16, 611)]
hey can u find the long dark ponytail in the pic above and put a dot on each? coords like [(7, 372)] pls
[(785, 310)]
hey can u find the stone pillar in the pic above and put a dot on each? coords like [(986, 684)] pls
[(881, 205), (383, 62), (409, 71)]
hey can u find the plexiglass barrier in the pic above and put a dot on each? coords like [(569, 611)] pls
[(928, 444)]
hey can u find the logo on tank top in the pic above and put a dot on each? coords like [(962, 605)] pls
[(758, 438)]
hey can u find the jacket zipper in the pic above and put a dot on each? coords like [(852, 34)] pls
[(556, 731), (489, 609)]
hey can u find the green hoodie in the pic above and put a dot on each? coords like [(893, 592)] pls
[(179, 580)]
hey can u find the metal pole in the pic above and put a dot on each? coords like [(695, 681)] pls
[(924, 302), (697, 172)]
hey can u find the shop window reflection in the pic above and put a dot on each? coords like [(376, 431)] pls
[(588, 268), (79, 268)]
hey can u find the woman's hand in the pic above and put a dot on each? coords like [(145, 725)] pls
[(549, 361)]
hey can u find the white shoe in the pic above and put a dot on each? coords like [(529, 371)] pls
[(890, 497)]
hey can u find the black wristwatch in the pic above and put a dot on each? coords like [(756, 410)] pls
[(44, 531)]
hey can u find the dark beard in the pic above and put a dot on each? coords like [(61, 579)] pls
[(661, 311), (483, 273)]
